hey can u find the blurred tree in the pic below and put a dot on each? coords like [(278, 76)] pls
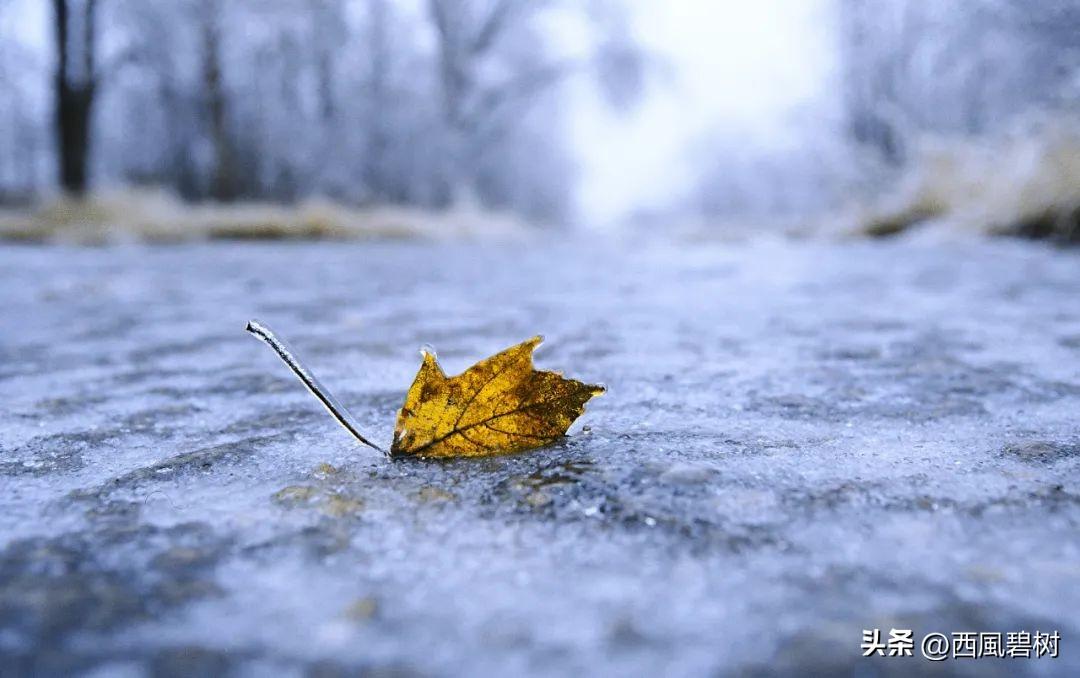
[(969, 68), (21, 140), (222, 184), (423, 103), (1053, 28), (494, 65), (472, 85), (377, 170), (75, 85)]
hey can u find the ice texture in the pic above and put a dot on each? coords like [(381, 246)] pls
[(799, 441)]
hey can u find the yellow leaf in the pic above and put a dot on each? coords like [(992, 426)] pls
[(500, 404)]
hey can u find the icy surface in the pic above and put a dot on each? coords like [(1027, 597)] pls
[(799, 441)]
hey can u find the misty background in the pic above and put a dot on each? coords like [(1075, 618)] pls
[(866, 115)]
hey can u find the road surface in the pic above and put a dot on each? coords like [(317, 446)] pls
[(800, 441)]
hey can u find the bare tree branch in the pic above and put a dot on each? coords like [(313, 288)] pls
[(491, 28)]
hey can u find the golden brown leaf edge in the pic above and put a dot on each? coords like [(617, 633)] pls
[(499, 405)]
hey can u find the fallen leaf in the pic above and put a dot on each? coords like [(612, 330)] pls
[(501, 404)]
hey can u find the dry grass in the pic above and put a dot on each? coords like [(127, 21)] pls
[(1025, 183), (154, 216)]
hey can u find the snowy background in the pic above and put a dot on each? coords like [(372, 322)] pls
[(722, 117)]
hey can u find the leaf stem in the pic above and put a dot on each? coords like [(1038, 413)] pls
[(314, 385)]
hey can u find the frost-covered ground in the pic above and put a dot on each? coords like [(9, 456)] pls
[(799, 441)]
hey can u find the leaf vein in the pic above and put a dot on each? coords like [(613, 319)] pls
[(495, 375), (460, 431)]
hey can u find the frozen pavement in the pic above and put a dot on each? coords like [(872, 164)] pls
[(799, 442)]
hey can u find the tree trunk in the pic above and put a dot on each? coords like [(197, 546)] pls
[(74, 97), (223, 186), (376, 177), (73, 120)]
